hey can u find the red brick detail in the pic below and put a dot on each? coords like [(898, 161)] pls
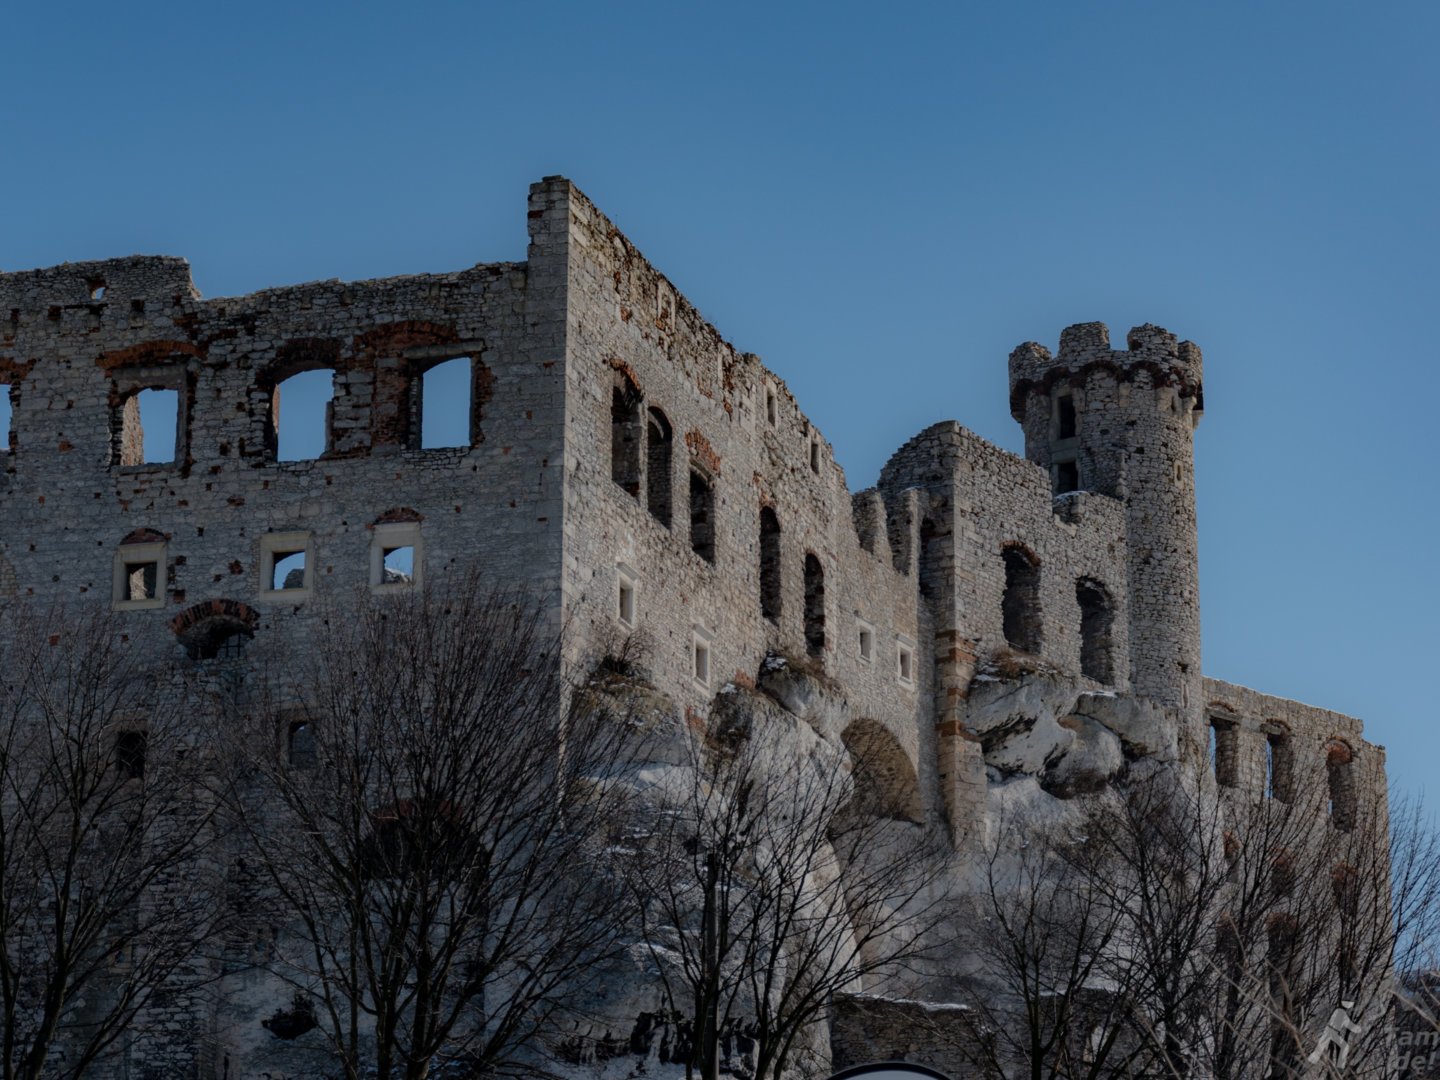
[(399, 513), (144, 536), (702, 452), (222, 608), (147, 352)]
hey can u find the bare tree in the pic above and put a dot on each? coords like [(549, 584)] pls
[(105, 811), (769, 883), (430, 814)]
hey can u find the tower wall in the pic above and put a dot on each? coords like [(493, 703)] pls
[(1134, 414)]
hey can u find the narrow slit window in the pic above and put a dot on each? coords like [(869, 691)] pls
[(772, 410), (300, 744), (867, 644), (130, 754), (702, 516), (625, 598), (443, 403), (1340, 776), (701, 660), (1065, 417), (659, 449), (770, 579), (814, 457), (625, 434), (814, 606), (7, 416), (1279, 766), (1020, 606), (905, 662), (1226, 738), (302, 428)]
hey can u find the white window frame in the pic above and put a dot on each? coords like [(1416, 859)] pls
[(286, 543), (865, 633), (131, 554), (626, 579), (702, 656), (904, 649), (387, 537)]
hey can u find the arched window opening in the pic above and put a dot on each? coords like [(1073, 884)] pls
[(702, 515), (625, 434), (300, 744), (1279, 766), (1020, 607), (770, 578), (659, 447), (301, 432), (130, 749), (440, 404), (814, 606), (1225, 751), (1340, 772), (1097, 618)]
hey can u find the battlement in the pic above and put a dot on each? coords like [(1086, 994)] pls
[(1085, 347), (135, 277)]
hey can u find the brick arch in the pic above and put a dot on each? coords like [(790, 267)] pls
[(221, 608), (204, 628), (1341, 783), (885, 781), (398, 514), (149, 353), (144, 536)]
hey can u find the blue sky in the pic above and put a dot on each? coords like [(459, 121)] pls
[(881, 200)]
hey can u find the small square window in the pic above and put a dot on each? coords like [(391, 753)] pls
[(286, 565), (625, 595), (866, 638), (139, 576), (905, 661), (130, 754), (395, 556)]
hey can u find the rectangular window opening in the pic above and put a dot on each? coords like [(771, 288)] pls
[(702, 662), (149, 425), (1067, 477), (301, 432), (626, 595), (867, 644), (7, 415), (287, 571), (300, 744), (399, 565), (1065, 416), (906, 664), (141, 580), (444, 404), (130, 754), (772, 410)]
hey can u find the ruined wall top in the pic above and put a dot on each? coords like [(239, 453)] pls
[(1086, 346), (131, 278)]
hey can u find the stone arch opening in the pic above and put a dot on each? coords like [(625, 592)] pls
[(1279, 763), (216, 630), (1097, 620), (625, 433), (1340, 778), (1020, 605), (885, 782), (770, 572), (451, 417), (659, 455), (814, 605)]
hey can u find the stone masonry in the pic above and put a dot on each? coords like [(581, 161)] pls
[(627, 461)]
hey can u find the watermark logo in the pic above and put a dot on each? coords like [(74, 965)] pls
[(1334, 1044)]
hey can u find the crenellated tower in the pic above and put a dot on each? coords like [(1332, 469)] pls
[(1121, 423)]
